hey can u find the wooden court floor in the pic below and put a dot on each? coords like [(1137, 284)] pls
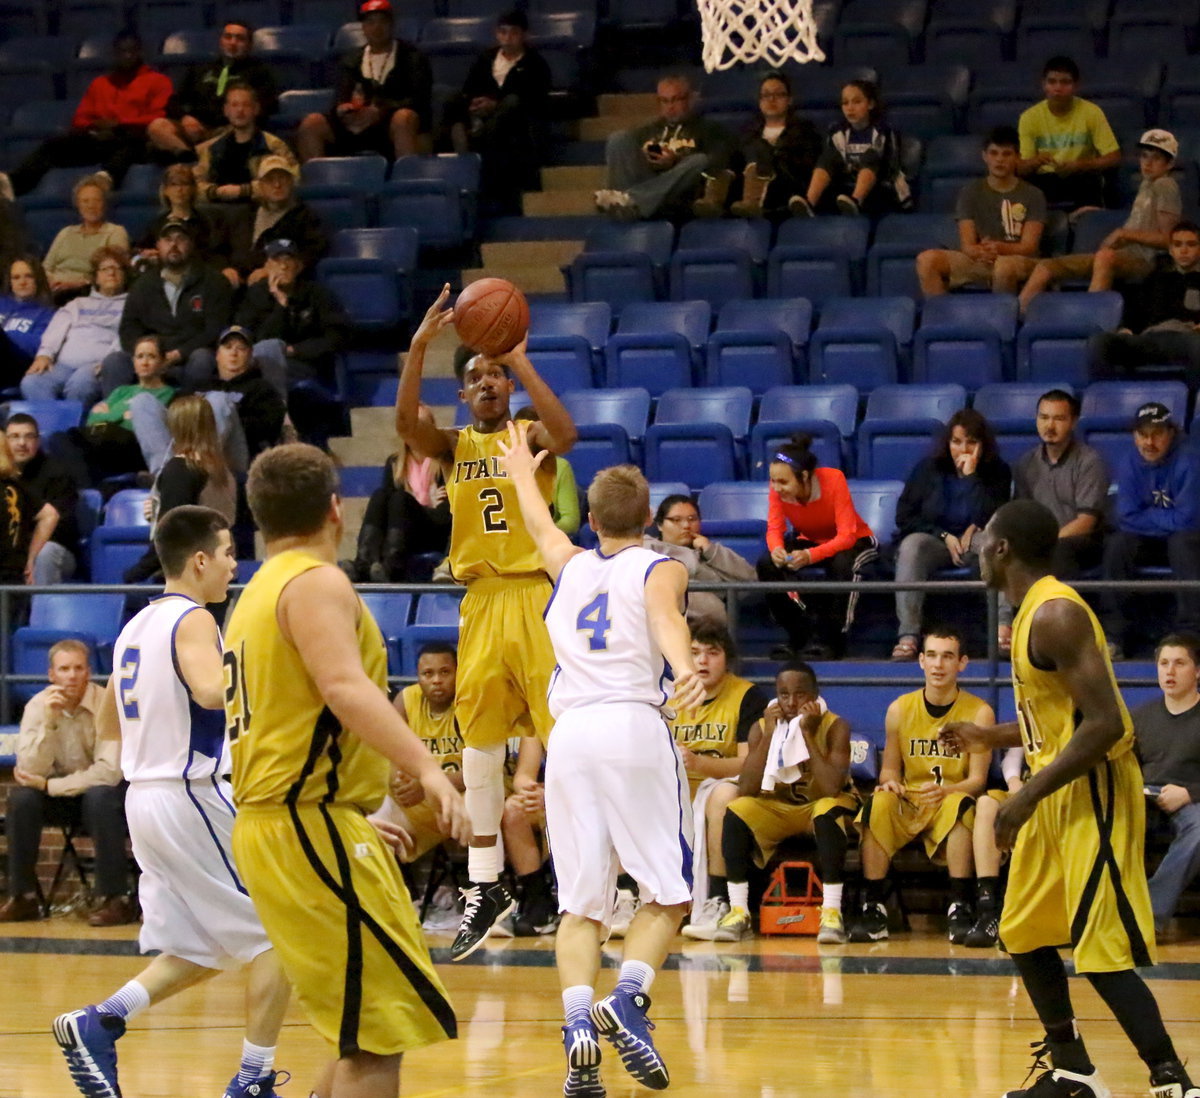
[(769, 1018)]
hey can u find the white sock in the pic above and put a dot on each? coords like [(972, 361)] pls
[(483, 864), (833, 897), (739, 894), (257, 1061), (130, 1001), (635, 976), (577, 1002)]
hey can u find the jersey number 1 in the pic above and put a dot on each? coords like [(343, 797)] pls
[(594, 620)]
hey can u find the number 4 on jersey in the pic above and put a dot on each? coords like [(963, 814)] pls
[(594, 619)]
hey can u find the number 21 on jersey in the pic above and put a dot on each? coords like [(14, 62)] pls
[(593, 619), (237, 703)]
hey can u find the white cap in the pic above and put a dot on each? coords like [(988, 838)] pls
[(1161, 140)]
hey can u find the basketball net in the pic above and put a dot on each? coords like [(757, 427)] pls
[(745, 31)]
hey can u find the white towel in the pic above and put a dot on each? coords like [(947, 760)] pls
[(787, 753), (699, 843)]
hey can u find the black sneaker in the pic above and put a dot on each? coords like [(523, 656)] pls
[(1170, 1080), (986, 931), (1058, 1083), (871, 924), (484, 905), (536, 915), (960, 921)]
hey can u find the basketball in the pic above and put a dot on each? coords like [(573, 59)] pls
[(491, 316)]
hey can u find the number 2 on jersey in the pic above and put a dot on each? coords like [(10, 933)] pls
[(493, 511), (128, 682), (594, 620)]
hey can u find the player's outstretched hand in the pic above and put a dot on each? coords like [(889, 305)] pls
[(435, 319), (515, 458), (400, 841), (1010, 818), (963, 736), (447, 803), (689, 691)]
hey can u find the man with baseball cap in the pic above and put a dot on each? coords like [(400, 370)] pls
[(382, 96), (1157, 519), (1130, 252)]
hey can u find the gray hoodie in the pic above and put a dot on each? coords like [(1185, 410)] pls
[(84, 330), (717, 564)]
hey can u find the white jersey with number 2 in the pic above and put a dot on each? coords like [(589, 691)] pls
[(596, 618)]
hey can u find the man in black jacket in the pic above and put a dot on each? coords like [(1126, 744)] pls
[(382, 98), (50, 481), (277, 214), (185, 303), (501, 112), (195, 112), (1166, 310)]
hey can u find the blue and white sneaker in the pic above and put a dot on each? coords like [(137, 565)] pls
[(88, 1039), (583, 1061), (622, 1022), (262, 1087)]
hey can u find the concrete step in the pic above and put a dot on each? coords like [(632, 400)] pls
[(353, 509), (598, 129), (630, 106), (533, 278), (554, 203), (551, 253), (573, 177)]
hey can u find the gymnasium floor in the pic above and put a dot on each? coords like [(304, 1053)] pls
[(768, 1018)]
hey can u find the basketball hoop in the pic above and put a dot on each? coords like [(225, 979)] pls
[(745, 31)]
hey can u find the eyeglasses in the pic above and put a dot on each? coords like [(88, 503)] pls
[(682, 520), (109, 267)]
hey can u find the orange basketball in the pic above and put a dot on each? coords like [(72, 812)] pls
[(491, 316)]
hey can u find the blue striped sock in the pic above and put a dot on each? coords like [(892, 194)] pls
[(256, 1062), (131, 1000), (577, 1003), (635, 976)]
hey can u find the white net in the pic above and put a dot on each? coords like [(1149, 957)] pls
[(745, 31)]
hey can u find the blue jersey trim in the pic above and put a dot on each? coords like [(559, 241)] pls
[(685, 849), (213, 835), (174, 656)]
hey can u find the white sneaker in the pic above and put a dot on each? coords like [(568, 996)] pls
[(832, 930), (703, 926), (623, 913), (443, 914)]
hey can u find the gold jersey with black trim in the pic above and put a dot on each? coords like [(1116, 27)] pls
[(314, 866), (487, 533), (438, 731), (716, 726), (923, 758)]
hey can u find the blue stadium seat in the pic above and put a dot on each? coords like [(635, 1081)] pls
[(1092, 227), (1149, 33), (699, 435), (94, 617), (966, 33), (397, 245), (52, 415), (1052, 342), (32, 122), (642, 14), (966, 338), (375, 294), (365, 173), (825, 412), (861, 341), (1011, 409), (452, 45), (884, 44), (435, 618), (433, 207), (898, 419), (598, 446), (759, 344), (622, 262), (719, 261), (260, 13), (114, 549), (816, 272), (924, 100), (562, 334), (735, 513), (141, 181), (953, 154), (1067, 32), (819, 237), (899, 238), (296, 53), (338, 205), (627, 408), (391, 611), (657, 345), (562, 362), (28, 65), (296, 104), (875, 501), (1109, 408), (31, 656), (460, 170), (818, 88)]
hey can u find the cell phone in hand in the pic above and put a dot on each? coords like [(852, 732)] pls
[(654, 148), (1152, 790)]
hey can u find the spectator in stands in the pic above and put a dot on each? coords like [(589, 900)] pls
[(408, 514), (229, 166), (47, 479), (30, 521), (177, 193), (68, 263), (501, 113), (278, 215), (564, 502), (859, 172), (947, 500), (298, 324), (196, 111), (1070, 478), (1158, 519), (65, 775), (777, 800), (925, 790), (80, 335), (26, 310), (523, 826), (1167, 732), (713, 740), (1067, 145), (109, 126), (1130, 252), (1000, 222), (825, 529), (655, 170), (680, 537), (381, 100), (183, 303), (780, 152), (110, 446), (1165, 310)]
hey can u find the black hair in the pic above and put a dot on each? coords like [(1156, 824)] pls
[(797, 452), (245, 24), (776, 74), (1189, 641), (17, 418), (1061, 63), (462, 355), (184, 531), (514, 17), (801, 668), (668, 502), (717, 634), (437, 648), (871, 90), (126, 34), (1005, 136), (945, 632), (1061, 396), (977, 427), (1030, 529), (1185, 226)]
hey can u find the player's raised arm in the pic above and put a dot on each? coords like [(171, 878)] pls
[(749, 779), (831, 769), (425, 438), (666, 590), (555, 429), (520, 464), (327, 644), (198, 650)]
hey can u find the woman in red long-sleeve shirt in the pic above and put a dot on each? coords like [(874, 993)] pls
[(825, 530)]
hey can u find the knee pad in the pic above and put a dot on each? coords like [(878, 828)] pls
[(483, 779)]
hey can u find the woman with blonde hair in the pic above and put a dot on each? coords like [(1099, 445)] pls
[(68, 263), (177, 195)]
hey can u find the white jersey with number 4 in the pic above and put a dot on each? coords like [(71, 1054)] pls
[(164, 733), (596, 618)]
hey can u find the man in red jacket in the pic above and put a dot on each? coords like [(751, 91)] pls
[(109, 126)]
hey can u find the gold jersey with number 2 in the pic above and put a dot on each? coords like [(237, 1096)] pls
[(488, 536)]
